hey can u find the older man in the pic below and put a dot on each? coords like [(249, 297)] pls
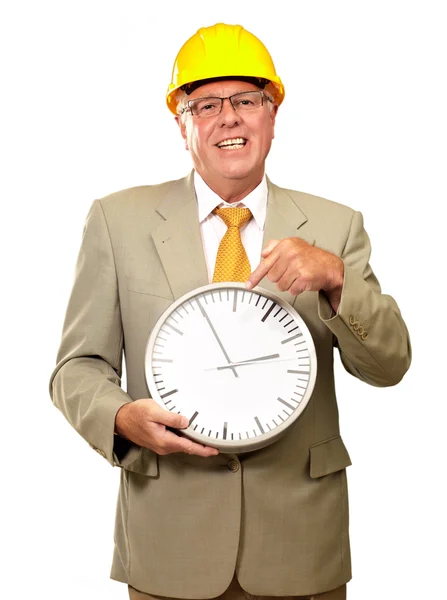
[(193, 523)]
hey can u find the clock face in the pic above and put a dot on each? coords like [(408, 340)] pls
[(241, 365)]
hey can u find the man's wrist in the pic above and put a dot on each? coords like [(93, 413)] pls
[(334, 292)]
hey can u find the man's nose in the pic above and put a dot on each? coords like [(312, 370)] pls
[(228, 115)]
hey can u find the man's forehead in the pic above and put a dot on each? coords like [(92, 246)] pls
[(222, 88)]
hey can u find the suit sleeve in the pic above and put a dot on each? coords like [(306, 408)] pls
[(85, 384), (369, 330)]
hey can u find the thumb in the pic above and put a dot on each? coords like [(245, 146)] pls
[(271, 244), (159, 415)]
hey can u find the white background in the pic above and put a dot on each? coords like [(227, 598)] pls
[(363, 123)]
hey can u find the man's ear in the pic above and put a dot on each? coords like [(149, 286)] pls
[(273, 114), (181, 123)]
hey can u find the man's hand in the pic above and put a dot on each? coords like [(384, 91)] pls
[(296, 266), (145, 423)]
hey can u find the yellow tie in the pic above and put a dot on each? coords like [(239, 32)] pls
[(232, 263)]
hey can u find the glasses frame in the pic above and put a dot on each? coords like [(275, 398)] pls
[(260, 93)]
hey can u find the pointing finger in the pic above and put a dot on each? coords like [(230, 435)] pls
[(259, 273)]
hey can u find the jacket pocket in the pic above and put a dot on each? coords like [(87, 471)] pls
[(160, 289), (328, 456), (140, 460)]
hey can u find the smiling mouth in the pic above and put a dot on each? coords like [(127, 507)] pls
[(232, 144)]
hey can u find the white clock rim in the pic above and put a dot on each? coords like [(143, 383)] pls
[(250, 444)]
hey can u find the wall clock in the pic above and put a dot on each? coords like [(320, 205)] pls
[(241, 365)]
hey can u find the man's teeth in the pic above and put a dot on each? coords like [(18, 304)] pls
[(234, 143)]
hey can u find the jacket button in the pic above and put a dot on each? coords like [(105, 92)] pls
[(233, 466)]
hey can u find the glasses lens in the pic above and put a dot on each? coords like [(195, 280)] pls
[(247, 100), (205, 107)]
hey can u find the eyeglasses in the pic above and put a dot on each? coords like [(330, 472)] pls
[(212, 106)]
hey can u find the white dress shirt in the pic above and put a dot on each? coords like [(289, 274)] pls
[(212, 228)]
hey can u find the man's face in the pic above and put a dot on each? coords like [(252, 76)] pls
[(204, 135)]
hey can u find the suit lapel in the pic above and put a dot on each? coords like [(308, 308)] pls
[(284, 219), (179, 242), (178, 239)]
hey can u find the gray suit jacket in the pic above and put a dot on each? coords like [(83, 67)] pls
[(184, 524)]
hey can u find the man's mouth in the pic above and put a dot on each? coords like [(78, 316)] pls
[(232, 144)]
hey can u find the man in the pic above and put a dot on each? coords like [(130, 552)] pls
[(193, 523)]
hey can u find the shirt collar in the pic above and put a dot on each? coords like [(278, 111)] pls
[(207, 200)]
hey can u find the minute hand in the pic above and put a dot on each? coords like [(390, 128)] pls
[(230, 364)]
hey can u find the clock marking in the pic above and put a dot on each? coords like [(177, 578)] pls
[(184, 308), (281, 418), (286, 403), (257, 301), (161, 389), (175, 320), (259, 425), (251, 298), (235, 301), (267, 314), (172, 408), (294, 337), (282, 318), (303, 387), (277, 313), (300, 372), (287, 324), (162, 359), (174, 328), (159, 345), (243, 295), (192, 418), (294, 329), (225, 431), (265, 303), (168, 394)]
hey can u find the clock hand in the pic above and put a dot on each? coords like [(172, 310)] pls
[(258, 358), (230, 365), (249, 362)]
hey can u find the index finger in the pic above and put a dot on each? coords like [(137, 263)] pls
[(259, 273), (178, 443)]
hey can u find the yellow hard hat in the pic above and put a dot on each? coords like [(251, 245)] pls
[(222, 52)]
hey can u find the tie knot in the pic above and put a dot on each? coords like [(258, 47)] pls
[(233, 217)]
